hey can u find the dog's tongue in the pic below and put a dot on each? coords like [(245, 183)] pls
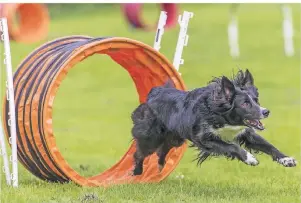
[(254, 122), (257, 124), (260, 125)]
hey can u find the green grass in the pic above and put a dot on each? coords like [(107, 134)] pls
[(92, 108)]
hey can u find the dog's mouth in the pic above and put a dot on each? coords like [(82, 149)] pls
[(254, 124)]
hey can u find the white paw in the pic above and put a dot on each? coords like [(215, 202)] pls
[(287, 161), (251, 160)]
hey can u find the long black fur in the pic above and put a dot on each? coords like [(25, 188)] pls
[(170, 116)]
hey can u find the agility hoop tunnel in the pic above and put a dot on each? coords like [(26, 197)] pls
[(36, 82), (33, 22)]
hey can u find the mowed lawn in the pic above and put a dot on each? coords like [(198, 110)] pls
[(93, 106)]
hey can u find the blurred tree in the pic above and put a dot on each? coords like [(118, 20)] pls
[(70, 9)]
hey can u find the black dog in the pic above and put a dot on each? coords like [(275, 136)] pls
[(170, 116)]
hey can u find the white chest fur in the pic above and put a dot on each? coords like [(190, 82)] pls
[(234, 129)]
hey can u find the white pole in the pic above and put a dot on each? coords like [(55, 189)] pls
[(5, 158), (160, 30), (11, 98), (3, 150), (288, 31), (183, 38), (233, 34)]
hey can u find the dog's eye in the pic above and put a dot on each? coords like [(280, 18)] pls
[(245, 104), (256, 100)]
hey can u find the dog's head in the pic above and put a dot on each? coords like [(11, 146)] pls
[(240, 96)]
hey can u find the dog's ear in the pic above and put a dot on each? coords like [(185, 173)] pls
[(248, 80), (227, 88)]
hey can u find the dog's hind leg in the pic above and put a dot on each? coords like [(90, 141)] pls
[(170, 142), (162, 152), (253, 141), (212, 144), (147, 131), (139, 157)]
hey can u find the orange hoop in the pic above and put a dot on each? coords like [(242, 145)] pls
[(36, 82), (33, 21)]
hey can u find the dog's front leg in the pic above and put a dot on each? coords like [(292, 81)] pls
[(211, 144), (253, 141)]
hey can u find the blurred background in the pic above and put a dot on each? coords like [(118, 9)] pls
[(93, 106)]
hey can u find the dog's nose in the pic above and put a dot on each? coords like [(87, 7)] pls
[(265, 113)]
